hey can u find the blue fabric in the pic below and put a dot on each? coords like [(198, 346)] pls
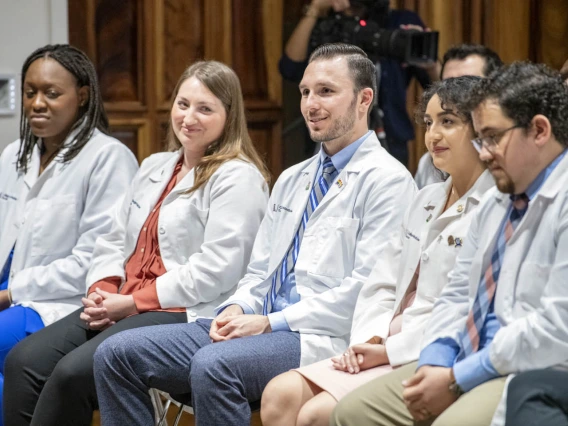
[(16, 323), (542, 177), (441, 353), (395, 78), (218, 378), (477, 368), (6, 271), (288, 295)]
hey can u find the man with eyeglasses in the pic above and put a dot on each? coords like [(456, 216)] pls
[(505, 308)]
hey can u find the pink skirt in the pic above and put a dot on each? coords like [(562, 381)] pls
[(339, 383)]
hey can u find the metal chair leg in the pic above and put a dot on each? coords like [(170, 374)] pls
[(162, 421), (178, 417)]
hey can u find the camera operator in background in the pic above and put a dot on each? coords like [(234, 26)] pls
[(393, 76)]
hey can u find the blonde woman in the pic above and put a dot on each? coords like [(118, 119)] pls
[(179, 245)]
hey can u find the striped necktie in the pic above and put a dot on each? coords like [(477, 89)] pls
[(488, 283), (319, 189)]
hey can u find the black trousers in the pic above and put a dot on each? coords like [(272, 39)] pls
[(49, 375), (538, 398)]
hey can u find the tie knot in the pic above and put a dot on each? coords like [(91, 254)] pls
[(520, 201), (328, 166)]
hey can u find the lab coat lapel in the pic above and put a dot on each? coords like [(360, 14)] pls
[(156, 184)]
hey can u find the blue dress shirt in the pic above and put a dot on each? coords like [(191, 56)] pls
[(478, 368), (288, 294)]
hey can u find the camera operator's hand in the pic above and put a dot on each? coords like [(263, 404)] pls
[(297, 46), (322, 6), (432, 68)]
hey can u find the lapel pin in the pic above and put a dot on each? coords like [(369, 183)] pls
[(451, 240), (460, 208), (458, 242), (429, 217), (339, 183), (307, 186)]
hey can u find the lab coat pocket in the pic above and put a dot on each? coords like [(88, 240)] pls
[(334, 248), (55, 226), (532, 280), (188, 224)]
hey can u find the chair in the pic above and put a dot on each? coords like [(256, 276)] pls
[(182, 401)]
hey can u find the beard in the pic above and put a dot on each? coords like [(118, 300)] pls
[(503, 182), (341, 126)]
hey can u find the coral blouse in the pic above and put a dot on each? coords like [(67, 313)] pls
[(145, 265)]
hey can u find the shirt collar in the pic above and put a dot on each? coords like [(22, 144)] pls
[(343, 157), (536, 184)]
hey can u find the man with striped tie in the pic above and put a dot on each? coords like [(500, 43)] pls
[(505, 308), (327, 222)]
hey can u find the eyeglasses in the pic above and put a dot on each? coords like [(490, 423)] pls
[(490, 142)]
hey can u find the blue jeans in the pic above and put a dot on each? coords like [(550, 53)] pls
[(222, 377), (16, 323)]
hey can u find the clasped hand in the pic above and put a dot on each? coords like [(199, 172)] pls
[(233, 323), (361, 357), (103, 309), (427, 394)]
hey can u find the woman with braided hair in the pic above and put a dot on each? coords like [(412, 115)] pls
[(180, 242), (59, 184)]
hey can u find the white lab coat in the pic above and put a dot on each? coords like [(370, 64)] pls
[(426, 173), (55, 218), (424, 238), (205, 237), (531, 302), (344, 236)]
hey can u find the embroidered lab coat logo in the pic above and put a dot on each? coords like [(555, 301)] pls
[(278, 208)]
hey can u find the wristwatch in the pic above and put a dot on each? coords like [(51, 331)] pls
[(454, 388)]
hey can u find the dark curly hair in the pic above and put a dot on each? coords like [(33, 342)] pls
[(454, 94), (523, 90), (78, 64)]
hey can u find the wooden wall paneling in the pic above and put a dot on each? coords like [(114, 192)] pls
[(119, 53), (256, 48), (179, 32), (474, 22), (218, 28), (248, 48), (508, 29), (551, 43), (131, 132)]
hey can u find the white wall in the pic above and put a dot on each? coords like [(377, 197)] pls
[(26, 25)]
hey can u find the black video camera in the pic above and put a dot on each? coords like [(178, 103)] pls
[(365, 28)]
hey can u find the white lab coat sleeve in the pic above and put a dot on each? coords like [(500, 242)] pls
[(540, 339), (109, 257), (375, 304), (450, 311), (109, 178), (331, 312), (239, 196)]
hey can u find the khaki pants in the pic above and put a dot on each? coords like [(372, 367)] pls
[(379, 402)]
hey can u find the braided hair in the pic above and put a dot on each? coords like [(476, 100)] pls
[(93, 113)]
